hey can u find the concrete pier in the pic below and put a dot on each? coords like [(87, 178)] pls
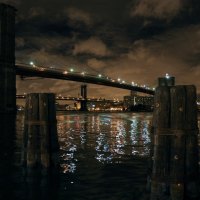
[(7, 59)]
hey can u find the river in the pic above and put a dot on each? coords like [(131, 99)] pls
[(103, 156)]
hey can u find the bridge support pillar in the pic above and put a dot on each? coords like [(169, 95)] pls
[(84, 96), (7, 59)]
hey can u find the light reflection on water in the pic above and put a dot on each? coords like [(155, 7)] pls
[(103, 156), (108, 138)]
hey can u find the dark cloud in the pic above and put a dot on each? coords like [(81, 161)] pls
[(93, 46), (167, 9), (76, 15), (11, 2), (134, 40)]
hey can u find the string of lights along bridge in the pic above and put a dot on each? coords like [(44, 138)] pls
[(31, 69)]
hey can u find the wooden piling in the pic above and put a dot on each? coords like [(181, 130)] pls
[(160, 171), (175, 165), (40, 144), (7, 60)]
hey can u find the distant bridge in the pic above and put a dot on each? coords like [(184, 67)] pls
[(78, 99), (32, 70)]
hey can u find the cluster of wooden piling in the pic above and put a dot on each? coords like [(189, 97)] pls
[(40, 145), (175, 156)]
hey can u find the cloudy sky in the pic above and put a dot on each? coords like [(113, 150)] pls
[(136, 40)]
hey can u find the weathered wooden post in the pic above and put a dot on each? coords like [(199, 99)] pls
[(40, 132), (175, 159), (184, 151), (7, 59), (161, 143)]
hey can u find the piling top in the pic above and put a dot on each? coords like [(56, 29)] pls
[(166, 81)]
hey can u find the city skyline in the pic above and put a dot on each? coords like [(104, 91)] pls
[(128, 39)]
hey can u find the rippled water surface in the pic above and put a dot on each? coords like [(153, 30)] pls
[(103, 156)]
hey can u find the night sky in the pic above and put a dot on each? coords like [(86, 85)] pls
[(135, 40)]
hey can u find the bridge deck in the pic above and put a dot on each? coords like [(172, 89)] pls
[(30, 71)]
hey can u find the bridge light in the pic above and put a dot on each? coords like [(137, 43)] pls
[(32, 64)]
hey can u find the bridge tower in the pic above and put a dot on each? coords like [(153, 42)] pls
[(84, 96), (7, 59)]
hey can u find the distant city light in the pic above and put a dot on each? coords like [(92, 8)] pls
[(100, 75), (71, 70), (119, 79), (83, 73), (65, 72)]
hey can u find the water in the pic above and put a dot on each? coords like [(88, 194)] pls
[(103, 156)]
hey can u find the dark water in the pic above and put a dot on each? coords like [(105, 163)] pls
[(103, 156)]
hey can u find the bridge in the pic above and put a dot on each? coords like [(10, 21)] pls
[(30, 70), (62, 98), (9, 68)]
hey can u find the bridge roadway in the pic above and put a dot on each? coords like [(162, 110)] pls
[(35, 71)]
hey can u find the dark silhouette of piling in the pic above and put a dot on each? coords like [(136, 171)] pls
[(175, 158), (7, 59), (40, 145)]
